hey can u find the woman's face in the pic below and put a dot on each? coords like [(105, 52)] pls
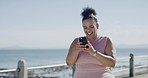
[(90, 28)]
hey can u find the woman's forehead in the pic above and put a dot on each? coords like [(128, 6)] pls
[(88, 22)]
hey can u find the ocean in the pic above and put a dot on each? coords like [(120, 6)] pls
[(10, 58)]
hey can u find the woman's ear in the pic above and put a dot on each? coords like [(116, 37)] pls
[(97, 26)]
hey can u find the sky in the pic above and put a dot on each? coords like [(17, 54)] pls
[(48, 24)]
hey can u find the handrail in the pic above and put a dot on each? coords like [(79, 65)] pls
[(126, 69), (134, 56), (141, 66), (141, 56), (48, 66), (123, 58), (58, 65), (32, 68), (10, 70)]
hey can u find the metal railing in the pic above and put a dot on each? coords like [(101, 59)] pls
[(133, 67), (22, 70)]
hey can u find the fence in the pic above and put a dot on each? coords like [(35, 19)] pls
[(137, 65), (22, 70)]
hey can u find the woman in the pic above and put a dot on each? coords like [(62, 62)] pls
[(96, 58)]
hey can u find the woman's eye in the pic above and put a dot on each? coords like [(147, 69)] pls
[(92, 27), (85, 27)]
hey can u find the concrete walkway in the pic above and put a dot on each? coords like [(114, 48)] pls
[(138, 75), (141, 76)]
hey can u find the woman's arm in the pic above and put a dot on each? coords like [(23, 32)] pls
[(108, 58), (72, 54)]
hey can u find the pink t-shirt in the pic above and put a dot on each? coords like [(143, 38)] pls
[(88, 67)]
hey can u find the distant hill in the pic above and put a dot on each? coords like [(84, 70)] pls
[(118, 46), (133, 46), (13, 48)]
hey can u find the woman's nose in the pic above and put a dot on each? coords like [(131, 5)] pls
[(88, 30)]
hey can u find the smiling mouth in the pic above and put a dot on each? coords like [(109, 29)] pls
[(89, 34)]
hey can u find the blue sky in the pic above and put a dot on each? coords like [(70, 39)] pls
[(54, 24)]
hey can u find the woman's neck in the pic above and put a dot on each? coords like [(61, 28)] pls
[(93, 38)]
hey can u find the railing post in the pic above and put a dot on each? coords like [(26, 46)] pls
[(73, 69), (131, 69), (21, 71)]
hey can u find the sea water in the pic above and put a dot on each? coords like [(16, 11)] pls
[(9, 58)]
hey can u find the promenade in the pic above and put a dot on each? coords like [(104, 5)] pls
[(143, 74)]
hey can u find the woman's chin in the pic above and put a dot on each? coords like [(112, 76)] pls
[(90, 37)]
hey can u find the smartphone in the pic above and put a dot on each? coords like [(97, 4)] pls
[(83, 40)]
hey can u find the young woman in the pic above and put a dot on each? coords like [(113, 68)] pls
[(95, 58)]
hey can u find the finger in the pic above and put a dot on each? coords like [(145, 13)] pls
[(78, 39), (82, 46), (78, 43), (87, 46), (78, 46)]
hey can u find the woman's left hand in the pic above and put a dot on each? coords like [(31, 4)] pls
[(89, 48)]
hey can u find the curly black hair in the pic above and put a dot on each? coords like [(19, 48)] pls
[(88, 13)]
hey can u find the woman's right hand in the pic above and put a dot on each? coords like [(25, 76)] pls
[(79, 47)]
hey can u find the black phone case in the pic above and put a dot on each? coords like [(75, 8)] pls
[(83, 40)]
